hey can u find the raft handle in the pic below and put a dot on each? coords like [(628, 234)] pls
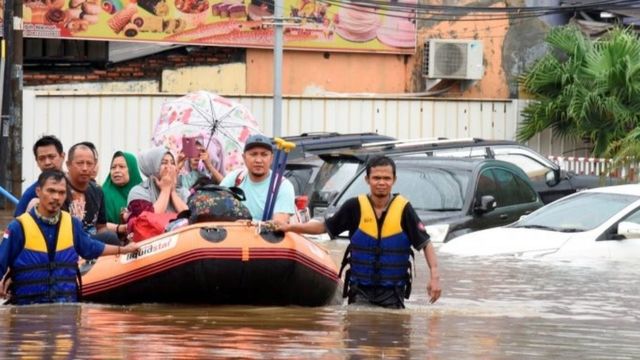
[(273, 237), (213, 234)]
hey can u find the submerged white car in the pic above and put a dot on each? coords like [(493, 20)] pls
[(596, 223)]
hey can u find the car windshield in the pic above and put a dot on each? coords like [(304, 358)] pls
[(582, 212), (299, 177), (334, 175), (427, 188)]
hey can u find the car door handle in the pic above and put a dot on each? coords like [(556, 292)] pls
[(504, 216)]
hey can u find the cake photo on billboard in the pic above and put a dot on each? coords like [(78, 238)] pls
[(397, 32), (259, 9), (398, 28), (357, 23), (193, 12)]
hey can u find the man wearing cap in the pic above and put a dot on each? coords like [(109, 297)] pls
[(255, 179)]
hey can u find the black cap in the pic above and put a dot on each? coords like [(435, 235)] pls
[(258, 140)]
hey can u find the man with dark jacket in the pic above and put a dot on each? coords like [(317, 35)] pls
[(86, 200)]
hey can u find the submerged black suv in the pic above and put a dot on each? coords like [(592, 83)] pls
[(455, 196), (549, 181)]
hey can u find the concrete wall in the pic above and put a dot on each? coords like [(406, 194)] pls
[(308, 72), (224, 79), (493, 84)]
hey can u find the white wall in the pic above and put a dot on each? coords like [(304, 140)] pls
[(125, 121)]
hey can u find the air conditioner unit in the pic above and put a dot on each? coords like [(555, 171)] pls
[(453, 59)]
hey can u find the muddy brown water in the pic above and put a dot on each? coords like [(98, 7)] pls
[(492, 308)]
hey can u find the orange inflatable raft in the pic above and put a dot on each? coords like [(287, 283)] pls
[(216, 263)]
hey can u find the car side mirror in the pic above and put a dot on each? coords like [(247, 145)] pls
[(629, 230), (327, 197), (552, 177), (318, 212), (487, 204)]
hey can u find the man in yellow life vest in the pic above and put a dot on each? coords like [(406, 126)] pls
[(382, 229), (40, 248)]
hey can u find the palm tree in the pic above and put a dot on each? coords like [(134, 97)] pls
[(587, 89)]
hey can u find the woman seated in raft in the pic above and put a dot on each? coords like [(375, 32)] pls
[(160, 193), (123, 176)]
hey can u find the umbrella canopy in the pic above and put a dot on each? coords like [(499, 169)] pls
[(220, 124)]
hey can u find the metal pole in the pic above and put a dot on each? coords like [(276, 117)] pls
[(3, 57), (277, 67), (11, 119), (7, 55)]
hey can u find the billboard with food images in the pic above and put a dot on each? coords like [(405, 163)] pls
[(336, 25)]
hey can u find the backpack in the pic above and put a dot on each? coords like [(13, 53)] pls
[(217, 203)]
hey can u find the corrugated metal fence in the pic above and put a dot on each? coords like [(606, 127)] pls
[(125, 121)]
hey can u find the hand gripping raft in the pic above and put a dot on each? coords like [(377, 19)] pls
[(277, 171)]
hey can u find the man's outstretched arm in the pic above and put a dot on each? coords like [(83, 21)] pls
[(313, 227)]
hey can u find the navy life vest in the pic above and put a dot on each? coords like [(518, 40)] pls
[(43, 275), (380, 255)]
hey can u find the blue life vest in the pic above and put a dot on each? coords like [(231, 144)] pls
[(380, 255), (43, 275)]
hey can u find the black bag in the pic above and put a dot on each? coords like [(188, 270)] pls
[(217, 203)]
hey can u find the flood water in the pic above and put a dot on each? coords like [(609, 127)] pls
[(492, 308)]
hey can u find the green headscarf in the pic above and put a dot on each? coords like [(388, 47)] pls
[(115, 197)]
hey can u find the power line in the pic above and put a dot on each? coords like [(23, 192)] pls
[(472, 13), (491, 9), (396, 13), (468, 16)]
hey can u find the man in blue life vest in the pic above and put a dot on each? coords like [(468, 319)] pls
[(382, 229), (40, 249)]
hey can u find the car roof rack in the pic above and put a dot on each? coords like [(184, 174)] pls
[(320, 135), (413, 147), (312, 134), (418, 145), (402, 141), (433, 142), (322, 142)]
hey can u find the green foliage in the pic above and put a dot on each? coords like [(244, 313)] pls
[(587, 89)]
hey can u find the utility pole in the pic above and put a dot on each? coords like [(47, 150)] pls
[(11, 117), (278, 20)]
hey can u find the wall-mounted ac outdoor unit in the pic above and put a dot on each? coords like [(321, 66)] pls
[(453, 59)]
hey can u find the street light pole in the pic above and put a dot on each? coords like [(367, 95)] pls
[(277, 66), (7, 51), (11, 118)]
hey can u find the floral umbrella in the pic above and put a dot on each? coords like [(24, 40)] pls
[(222, 125)]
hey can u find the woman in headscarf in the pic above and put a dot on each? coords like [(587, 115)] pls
[(123, 176), (159, 193)]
